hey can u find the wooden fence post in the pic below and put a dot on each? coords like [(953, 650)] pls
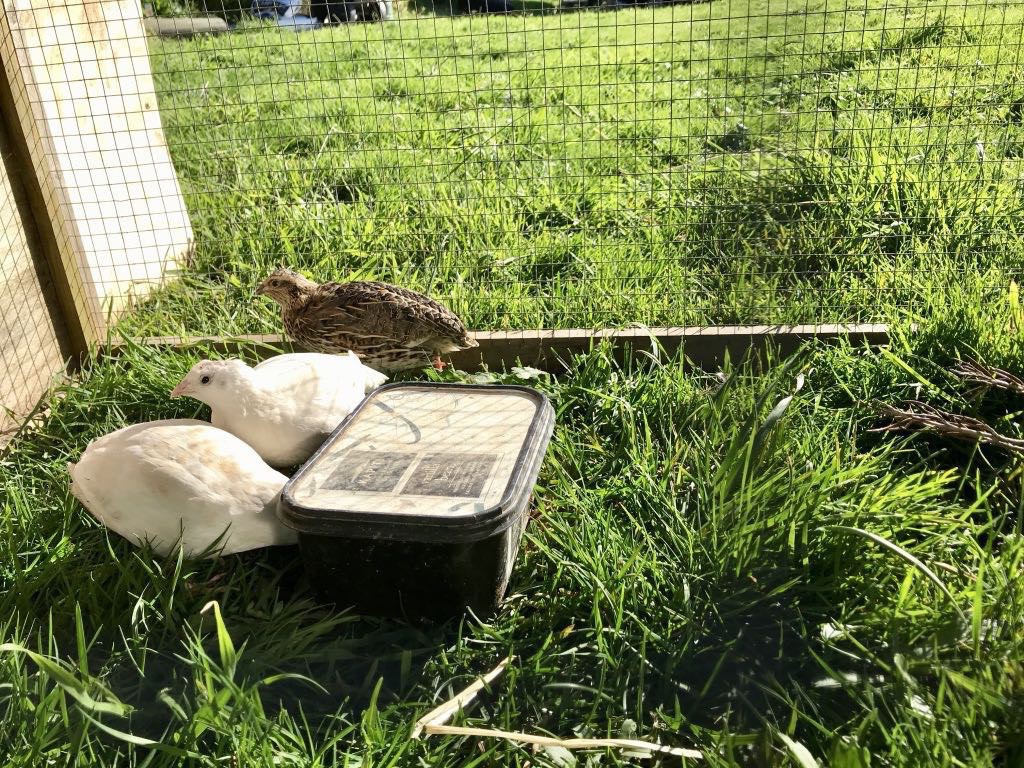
[(85, 154)]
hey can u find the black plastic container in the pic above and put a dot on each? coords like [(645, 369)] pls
[(415, 505)]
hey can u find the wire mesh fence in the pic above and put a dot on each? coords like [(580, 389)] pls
[(30, 348), (563, 167), (536, 165)]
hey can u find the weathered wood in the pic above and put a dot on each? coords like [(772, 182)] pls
[(705, 347), (79, 79), (34, 342), (93, 214), (35, 220)]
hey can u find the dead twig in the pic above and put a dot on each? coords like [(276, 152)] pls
[(987, 377), (550, 741), (919, 415), (434, 724), (446, 711)]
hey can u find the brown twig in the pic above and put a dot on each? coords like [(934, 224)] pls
[(928, 418), (986, 377)]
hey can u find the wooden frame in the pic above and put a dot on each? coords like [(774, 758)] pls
[(43, 239), (80, 107), (704, 347), (93, 212)]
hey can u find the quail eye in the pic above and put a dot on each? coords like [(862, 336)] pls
[(204, 380)]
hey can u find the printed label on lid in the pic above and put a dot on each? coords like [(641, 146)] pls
[(369, 471), (451, 474), (436, 474)]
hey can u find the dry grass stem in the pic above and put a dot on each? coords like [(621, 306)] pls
[(550, 741), (434, 723), (446, 711)]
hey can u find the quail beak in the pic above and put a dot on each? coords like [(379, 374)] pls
[(262, 290), (182, 389)]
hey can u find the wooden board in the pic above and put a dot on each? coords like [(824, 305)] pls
[(705, 347), (185, 26), (33, 339), (82, 90)]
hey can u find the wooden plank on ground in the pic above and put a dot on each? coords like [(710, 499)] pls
[(705, 347), (185, 26)]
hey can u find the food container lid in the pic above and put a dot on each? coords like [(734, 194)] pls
[(424, 461)]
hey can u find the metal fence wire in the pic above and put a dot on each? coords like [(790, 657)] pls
[(536, 165)]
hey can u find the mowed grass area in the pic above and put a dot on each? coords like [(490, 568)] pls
[(731, 562), (714, 163)]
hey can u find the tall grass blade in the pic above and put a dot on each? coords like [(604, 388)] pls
[(798, 752), (907, 556)]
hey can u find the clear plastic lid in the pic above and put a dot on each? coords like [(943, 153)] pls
[(424, 451)]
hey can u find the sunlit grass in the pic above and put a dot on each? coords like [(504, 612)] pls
[(716, 163), (717, 559), (733, 561)]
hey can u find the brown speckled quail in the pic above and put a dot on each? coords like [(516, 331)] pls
[(390, 328)]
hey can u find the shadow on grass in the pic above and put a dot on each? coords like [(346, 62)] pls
[(294, 658)]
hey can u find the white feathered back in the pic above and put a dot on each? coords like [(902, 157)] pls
[(287, 405), (164, 480), (347, 367)]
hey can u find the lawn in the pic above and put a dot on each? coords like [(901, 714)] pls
[(713, 163), (713, 565), (733, 561)]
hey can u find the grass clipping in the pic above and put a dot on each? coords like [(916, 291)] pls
[(434, 723)]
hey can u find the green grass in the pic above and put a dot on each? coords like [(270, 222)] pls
[(718, 561), (714, 163), (737, 562)]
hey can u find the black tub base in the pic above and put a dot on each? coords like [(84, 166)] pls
[(410, 580)]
